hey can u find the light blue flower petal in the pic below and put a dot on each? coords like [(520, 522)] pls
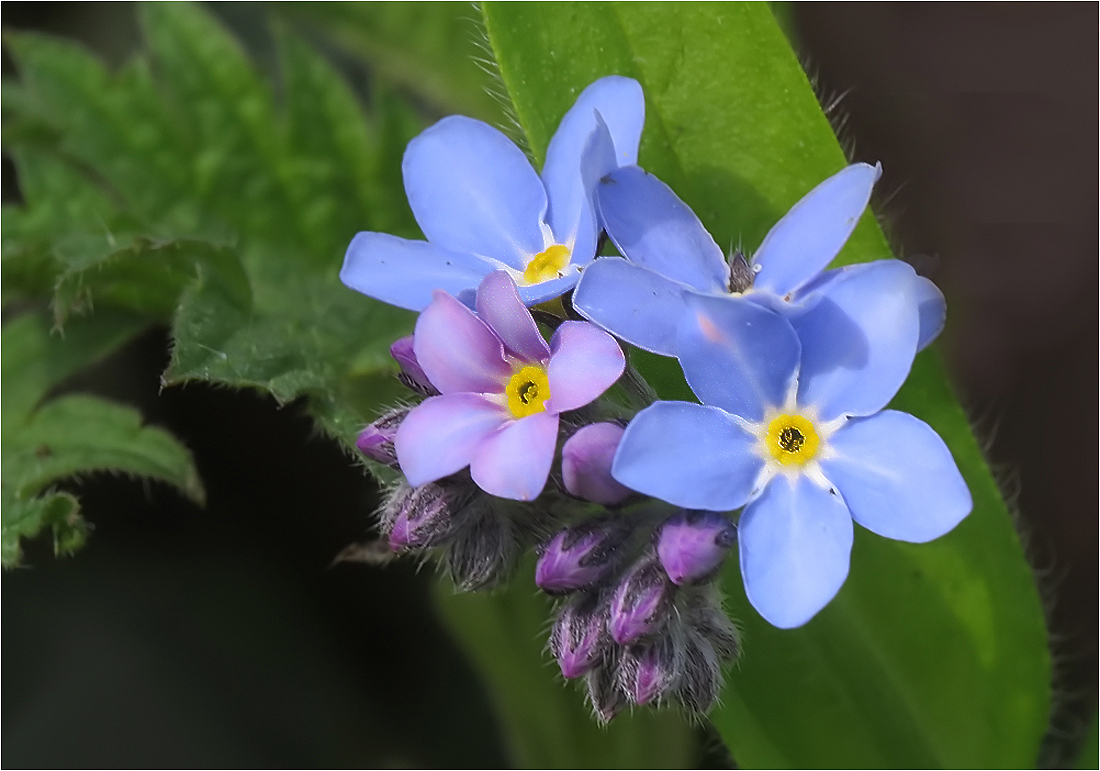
[(737, 355), (795, 542), (858, 338), (472, 190), (933, 311), (457, 351), (811, 234), (439, 436), (621, 105), (653, 228), (515, 461), (933, 308), (585, 363), (404, 273), (897, 477), (499, 306), (632, 303), (689, 455)]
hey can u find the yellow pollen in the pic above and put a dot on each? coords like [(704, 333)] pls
[(527, 391), (547, 264), (791, 440)]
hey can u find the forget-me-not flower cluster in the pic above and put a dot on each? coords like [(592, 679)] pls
[(528, 432)]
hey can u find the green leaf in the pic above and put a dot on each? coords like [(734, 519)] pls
[(1090, 747), (429, 48), (931, 655), (74, 435), (197, 197), (70, 435), (547, 723), (34, 357)]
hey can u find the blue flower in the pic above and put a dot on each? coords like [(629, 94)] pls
[(482, 207), (792, 427), (669, 256)]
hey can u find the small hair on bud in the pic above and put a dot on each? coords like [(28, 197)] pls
[(486, 545), (701, 678)]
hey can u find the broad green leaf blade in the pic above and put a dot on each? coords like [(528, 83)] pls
[(74, 435), (931, 655), (547, 722)]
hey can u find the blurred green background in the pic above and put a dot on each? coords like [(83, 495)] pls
[(225, 636)]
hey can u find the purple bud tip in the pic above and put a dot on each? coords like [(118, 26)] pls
[(693, 544), (401, 534), (578, 557), (640, 603), (376, 444), (586, 464), (411, 373), (648, 679), (576, 637)]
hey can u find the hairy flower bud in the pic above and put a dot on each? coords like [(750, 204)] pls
[(641, 601), (701, 674), (418, 517), (693, 544), (376, 440), (649, 671), (586, 464), (604, 693), (411, 373), (486, 546), (579, 635), (582, 555)]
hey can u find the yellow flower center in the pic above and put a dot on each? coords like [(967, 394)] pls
[(547, 264), (527, 391), (792, 440)]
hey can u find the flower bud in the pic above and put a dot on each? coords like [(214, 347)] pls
[(586, 464), (604, 694), (411, 373), (692, 545), (376, 440), (701, 677), (418, 517), (579, 636), (640, 604), (581, 555), (486, 543), (649, 671)]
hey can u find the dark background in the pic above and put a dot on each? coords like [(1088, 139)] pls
[(224, 637)]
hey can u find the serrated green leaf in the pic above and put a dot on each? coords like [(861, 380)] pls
[(548, 725), (73, 435), (182, 163), (931, 655)]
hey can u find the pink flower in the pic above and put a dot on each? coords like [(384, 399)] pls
[(501, 390)]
